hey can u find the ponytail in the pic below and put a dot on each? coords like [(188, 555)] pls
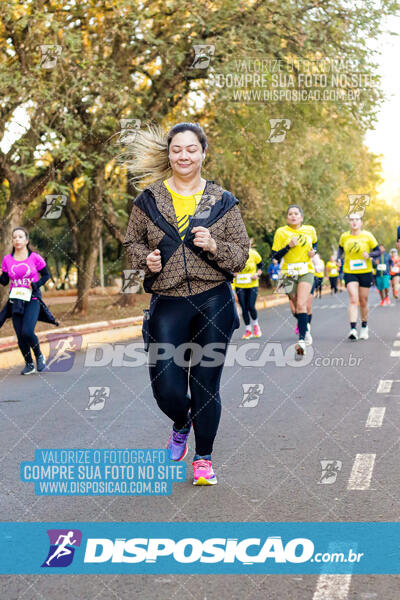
[(148, 157)]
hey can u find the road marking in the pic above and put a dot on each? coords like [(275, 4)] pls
[(396, 343), (395, 353), (332, 587), (375, 417), (361, 473), (384, 386)]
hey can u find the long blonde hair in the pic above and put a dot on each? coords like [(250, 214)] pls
[(147, 156)]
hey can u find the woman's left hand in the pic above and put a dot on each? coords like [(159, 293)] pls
[(204, 240), (366, 255), (311, 253)]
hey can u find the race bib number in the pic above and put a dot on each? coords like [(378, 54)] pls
[(20, 293), (334, 272), (298, 268), (357, 264), (395, 269), (276, 276), (243, 278), (381, 267)]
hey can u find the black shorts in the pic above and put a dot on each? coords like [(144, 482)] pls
[(363, 279)]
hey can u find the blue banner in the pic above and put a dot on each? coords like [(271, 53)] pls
[(197, 548)]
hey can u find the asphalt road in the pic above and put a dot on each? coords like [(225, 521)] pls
[(267, 453)]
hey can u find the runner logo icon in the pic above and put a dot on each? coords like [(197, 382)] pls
[(62, 547)]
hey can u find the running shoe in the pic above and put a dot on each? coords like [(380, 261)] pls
[(28, 369), (297, 330), (308, 336), (247, 335), (300, 350), (177, 445), (203, 473), (387, 300), (40, 363), (382, 302), (353, 335), (364, 333), (256, 331)]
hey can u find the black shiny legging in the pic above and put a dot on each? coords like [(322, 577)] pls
[(24, 325), (206, 318), (333, 282), (247, 299)]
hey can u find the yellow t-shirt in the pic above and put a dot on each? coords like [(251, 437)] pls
[(321, 274), (354, 246), (185, 207), (296, 260), (332, 268), (243, 279)]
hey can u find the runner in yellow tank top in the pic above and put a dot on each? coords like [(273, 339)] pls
[(246, 285), (296, 244), (359, 247), (332, 272)]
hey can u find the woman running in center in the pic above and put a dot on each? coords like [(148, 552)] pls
[(297, 244), (187, 235), (358, 247)]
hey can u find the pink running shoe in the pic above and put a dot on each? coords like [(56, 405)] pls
[(203, 473), (247, 335), (297, 330), (256, 331)]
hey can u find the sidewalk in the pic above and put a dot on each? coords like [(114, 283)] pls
[(117, 330)]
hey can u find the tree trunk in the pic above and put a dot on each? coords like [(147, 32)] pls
[(12, 218), (88, 243)]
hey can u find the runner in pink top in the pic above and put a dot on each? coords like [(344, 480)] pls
[(22, 272), (25, 271)]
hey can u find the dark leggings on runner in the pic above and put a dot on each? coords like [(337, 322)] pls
[(333, 282), (24, 325), (205, 318), (247, 299)]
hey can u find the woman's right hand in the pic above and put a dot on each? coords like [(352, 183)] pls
[(294, 241), (153, 261)]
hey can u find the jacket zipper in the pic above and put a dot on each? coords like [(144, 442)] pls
[(184, 262)]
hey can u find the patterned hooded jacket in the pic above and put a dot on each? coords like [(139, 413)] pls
[(186, 268)]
